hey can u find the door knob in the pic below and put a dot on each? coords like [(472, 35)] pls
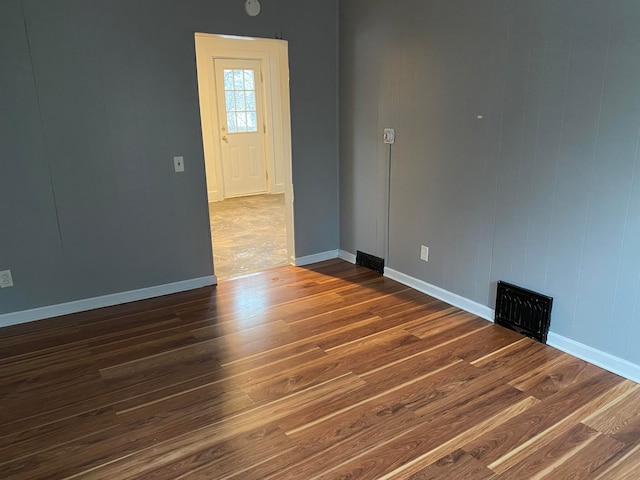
[(224, 138)]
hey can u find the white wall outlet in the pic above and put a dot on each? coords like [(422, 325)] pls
[(5, 279), (424, 253), (178, 164)]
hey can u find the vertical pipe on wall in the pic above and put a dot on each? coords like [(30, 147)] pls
[(386, 247)]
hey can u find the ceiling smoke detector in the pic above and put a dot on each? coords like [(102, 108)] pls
[(252, 7)]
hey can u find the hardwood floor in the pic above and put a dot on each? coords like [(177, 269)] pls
[(330, 372)]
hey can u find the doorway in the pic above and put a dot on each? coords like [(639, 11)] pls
[(243, 87)]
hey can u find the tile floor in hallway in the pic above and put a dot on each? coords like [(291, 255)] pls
[(249, 234)]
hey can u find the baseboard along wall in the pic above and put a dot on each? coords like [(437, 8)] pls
[(589, 354), (602, 359), (49, 311), (315, 258)]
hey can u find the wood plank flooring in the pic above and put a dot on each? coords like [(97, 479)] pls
[(327, 372)]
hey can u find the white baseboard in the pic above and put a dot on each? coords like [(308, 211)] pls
[(346, 256), (441, 294), (614, 364), (318, 257), (589, 354), (40, 313)]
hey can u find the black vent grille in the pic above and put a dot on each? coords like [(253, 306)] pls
[(524, 311), (370, 261)]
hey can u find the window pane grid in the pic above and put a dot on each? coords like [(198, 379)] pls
[(240, 100)]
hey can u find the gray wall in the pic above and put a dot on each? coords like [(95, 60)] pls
[(96, 97), (544, 191)]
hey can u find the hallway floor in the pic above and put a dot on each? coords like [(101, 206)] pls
[(249, 234)]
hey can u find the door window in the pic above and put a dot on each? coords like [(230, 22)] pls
[(240, 100)]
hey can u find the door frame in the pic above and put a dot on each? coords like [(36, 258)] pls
[(274, 56)]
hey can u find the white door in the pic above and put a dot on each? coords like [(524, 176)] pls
[(239, 95)]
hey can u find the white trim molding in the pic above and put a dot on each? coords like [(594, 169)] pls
[(315, 258), (602, 359), (441, 294), (49, 311), (346, 256), (589, 354)]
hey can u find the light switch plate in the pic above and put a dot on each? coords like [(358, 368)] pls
[(178, 164)]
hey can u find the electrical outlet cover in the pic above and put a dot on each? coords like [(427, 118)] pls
[(424, 253), (5, 279)]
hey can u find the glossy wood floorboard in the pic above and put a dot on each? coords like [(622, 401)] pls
[(326, 372)]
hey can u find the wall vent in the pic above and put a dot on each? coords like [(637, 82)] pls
[(370, 261), (524, 311)]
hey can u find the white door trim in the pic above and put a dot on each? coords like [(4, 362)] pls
[(275, 60)]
